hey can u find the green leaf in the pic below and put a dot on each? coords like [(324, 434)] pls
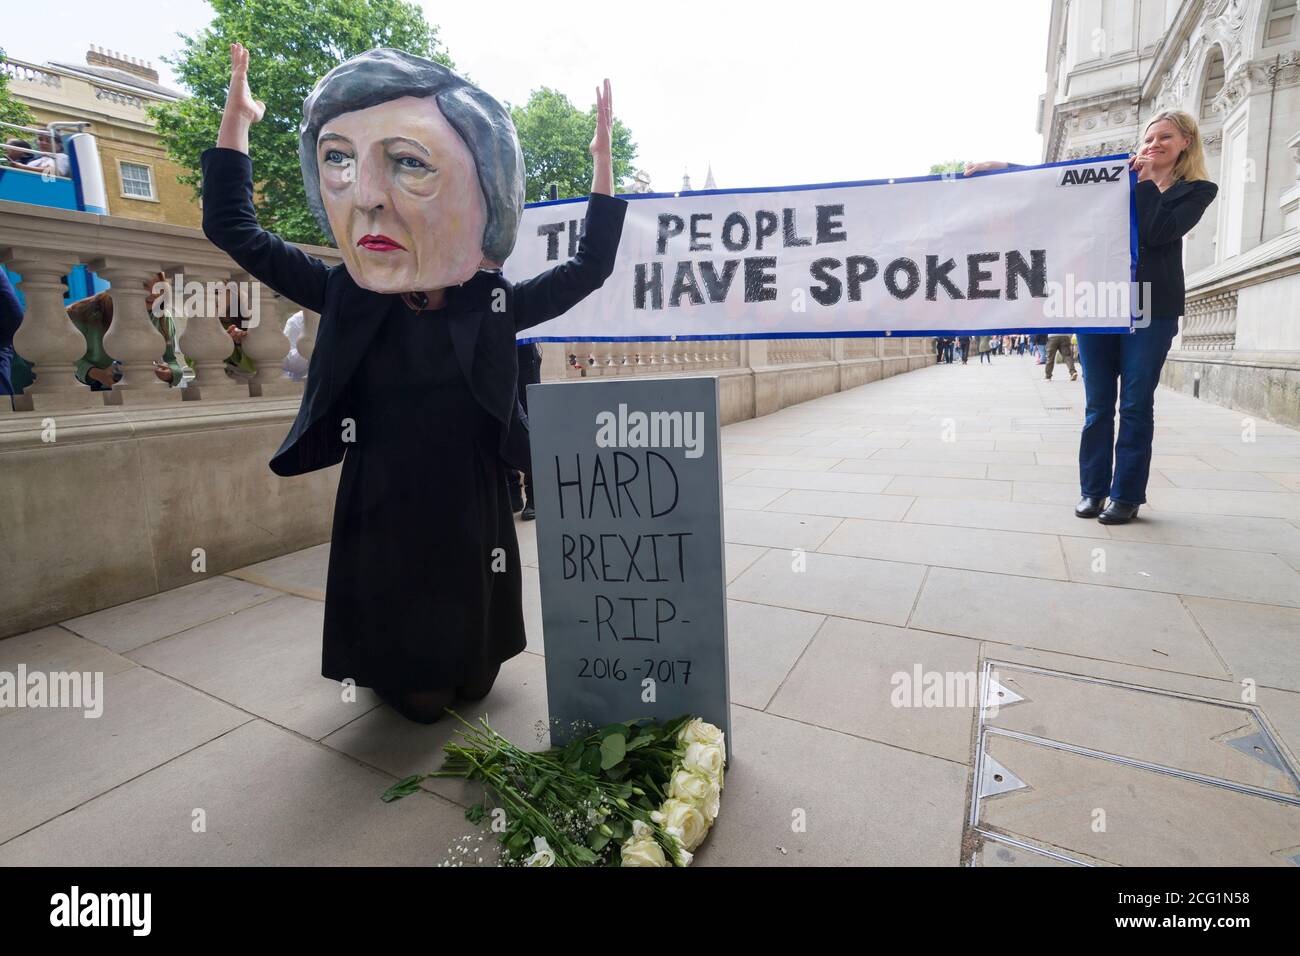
[(403, 788), (610, 729), (612, 750), (591, 760), (598, 841), (582, 854), (475, 813), (644, 740)]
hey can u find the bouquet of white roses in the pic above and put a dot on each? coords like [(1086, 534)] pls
[(693, 799), (650, 790)]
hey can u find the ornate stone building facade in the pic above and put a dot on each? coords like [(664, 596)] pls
[(111, 92), (1235, 65)]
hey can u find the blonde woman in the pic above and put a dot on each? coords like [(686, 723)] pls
[(1172, 193)]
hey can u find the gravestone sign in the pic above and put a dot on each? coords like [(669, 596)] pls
[(628, 479)]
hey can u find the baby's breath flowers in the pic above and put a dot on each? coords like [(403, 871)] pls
[(615, 788)]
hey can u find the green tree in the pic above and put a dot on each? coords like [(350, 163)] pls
[(12, 110), (949, 166), (554, 136), (292, 44)]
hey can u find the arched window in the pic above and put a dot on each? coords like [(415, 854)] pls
[(1213, 85)]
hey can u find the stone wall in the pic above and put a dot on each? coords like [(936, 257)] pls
[(112, 504)]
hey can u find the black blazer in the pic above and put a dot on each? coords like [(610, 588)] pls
[(483, 337), (1162, 221)]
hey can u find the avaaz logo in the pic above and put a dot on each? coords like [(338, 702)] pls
[(1080, 177)]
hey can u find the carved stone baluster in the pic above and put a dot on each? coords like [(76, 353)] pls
[(267, 345), (132, 338), (205, 340), (47, 338)]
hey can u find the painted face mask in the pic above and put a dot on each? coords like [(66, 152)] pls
[(415, 173)]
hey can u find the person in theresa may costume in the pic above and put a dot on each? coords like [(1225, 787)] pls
[(418, 177)]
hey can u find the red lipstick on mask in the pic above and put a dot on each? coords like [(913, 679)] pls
[(380, 244)]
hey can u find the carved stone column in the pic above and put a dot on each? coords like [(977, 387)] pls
[(205, 341), (47, 338), (132, 338), (267, 345)]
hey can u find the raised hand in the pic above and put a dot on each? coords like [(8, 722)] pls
[(973, 168), (240, 97), (600, 143), (242, 111), (602, 177)]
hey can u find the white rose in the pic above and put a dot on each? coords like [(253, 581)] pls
[(698, 731), (684, 820), (698, 790), (544, 856), (644, 852), (642, 830), (706, 759)]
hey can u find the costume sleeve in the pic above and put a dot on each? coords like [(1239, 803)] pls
[(557, 290), (230, 223)]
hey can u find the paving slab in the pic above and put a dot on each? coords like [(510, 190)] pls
[(128, 626), (813, 480), (1007, 552), (881, 591), (769, 529), (861, 803), (738, 557), (1182, 569), (53, 649), (1267, 535), (869, 680), (1004, 516), (1256, 641), (1215, 480), (55, 759), (1117, 624), (842, 504), (303, 573), (264, 660), (1261, 504), (926, 468), (269, 798), (516, 708), (1150, 819), (763, 644), (926, 487), (750, 498)]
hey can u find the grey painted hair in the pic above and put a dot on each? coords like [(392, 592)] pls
[(378, 76)]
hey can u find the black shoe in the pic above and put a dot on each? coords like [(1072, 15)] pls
[(1118, 512), (422, 707), (528, 513), (1089, 507)]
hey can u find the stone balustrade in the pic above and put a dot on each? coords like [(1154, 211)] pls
[(42, 245)]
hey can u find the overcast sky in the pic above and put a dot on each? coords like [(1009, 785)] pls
[(770, 93)]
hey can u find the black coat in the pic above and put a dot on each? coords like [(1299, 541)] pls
[(483, 338), (1162, 221)]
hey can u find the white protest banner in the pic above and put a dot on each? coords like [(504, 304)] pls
[(1041, 248)]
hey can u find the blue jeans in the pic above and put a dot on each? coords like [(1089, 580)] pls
[(1123, 366)]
